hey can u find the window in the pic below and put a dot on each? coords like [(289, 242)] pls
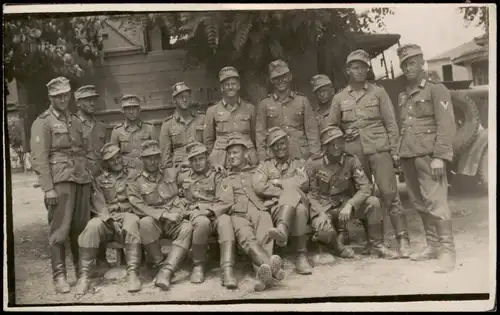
[(480, 72), (447, 73), (159, 40)]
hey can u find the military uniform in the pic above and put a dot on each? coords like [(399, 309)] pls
[(222, 120), (294, 114), (176, 132), (428, 128), (113, 221), (151, 196), (318, 81), (130, 136), (251, 220), (290, 209), (208, 217), (369, 122), (58, 158), (334, 184)]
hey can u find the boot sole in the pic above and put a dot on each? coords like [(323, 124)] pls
[(265, 274), (276, 269), (162, 286)]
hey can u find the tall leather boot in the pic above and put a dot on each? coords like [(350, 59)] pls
[(339, 241), (367, 248), (227, 255), (199, 260), (447, 256), (262, 265), (75, 251), (87, 257), (133, 253), (430, 251), (174, 259), (280, 232), (400, 228), (302, 265), (376, 237), (154, 253), (58, 261)]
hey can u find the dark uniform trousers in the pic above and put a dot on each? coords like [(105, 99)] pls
[(291, 196), (98, 231), (253, 227), (152, 230), (203, 227)]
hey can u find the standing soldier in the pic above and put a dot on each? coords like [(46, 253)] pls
[(153, 196), (249, 214), (283, 180), (58, 152), (113, 220), (288, 110), (230, 115), (428, 127), (132, 132), (365, 112), (181, 128), (198, 185), (340, 191), (322, 87)]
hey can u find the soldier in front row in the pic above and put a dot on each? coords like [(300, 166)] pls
[(58, 153), (198, 185), (283, 180), (113, 220), (153, 195), (428, 127), (340, 191)]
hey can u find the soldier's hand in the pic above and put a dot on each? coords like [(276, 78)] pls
[(324, 222), (395, 160), (276, 182), (51, 197), (220, 169), (345, 213), (437, 168), (174, 217)]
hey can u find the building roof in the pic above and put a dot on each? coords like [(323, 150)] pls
[(465, 48)]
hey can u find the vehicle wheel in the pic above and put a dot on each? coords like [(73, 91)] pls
[(483, 170), (467, 119)]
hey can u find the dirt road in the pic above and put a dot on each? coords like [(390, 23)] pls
[(368, 276)]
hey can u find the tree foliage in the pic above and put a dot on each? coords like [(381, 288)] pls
[(477, 16)]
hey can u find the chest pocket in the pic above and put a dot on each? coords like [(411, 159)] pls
[(372, 108), (124, 140), (108, 189), (323, 178), (272, 115), (222, 123), (244, 123), (423, 107), (177, 136), (340, 184), (151, 196), (274, 173), (199, 132), (297, 118), (61, 137), (167, 189), (347, 110)]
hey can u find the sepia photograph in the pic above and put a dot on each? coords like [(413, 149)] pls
[(249, 157)]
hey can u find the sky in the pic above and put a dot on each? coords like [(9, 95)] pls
[(435, 28)]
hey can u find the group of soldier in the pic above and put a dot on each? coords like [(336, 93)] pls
[(253, 177)]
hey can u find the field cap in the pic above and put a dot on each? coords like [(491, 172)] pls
[(319, 81), (330, 133), (358, 55), (59, 85), (109, 150), (85, 91), (228, 72), (236, 139), (179, 87), (150, 147), (407, 51), (275, 133), (195, 148), (278, 68), (130, 100)]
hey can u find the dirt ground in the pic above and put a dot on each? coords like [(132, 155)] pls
[(368, 276)]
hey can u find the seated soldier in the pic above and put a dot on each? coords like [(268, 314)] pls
[(198, 185), (250, 216), (283, 179), (113, 220), (153, 196), (340, 191)]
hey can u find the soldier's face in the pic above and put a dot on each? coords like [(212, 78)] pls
[(283, 82), (87, 105), (152, 163), (61, 101), (115, 163), (357, 70), (412, 67), (131, 112), (230, 87), (183, 100), (324, 94), (280, 148), (236, 155), (199, 163), (335, 147)]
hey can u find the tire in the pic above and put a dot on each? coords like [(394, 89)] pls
[(483, 170), (467, 119)]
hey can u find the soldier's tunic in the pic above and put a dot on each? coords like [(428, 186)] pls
[(249, 215), (94, 133), (129, 138), (222, 121), (332, 185), (322, 113), (113, 217), (292, 194), (428, 128), (176, 133), (58, 157), (295, 116), (198, 193), (371, 133), (151, 195)]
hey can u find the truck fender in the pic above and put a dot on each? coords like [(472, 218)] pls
[(468, 159)]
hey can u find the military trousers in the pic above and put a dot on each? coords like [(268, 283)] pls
[(252, 227), (426, 194), (151, 230), (299, 222), (204, 227), (122, 228)]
